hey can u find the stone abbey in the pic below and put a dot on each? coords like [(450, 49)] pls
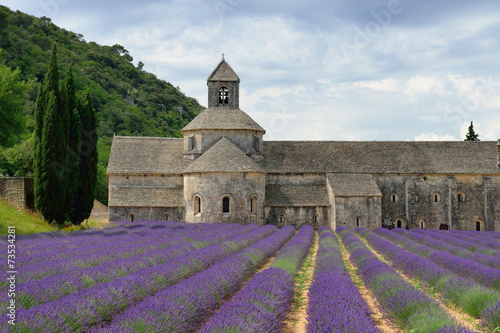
[(223, 171)]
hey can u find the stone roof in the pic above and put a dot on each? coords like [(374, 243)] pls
[(223, 72), (145, 155), (381, 157), (223, 119), (145, 196), (353, 185), (224, 156), (164, 156), (296, 195)]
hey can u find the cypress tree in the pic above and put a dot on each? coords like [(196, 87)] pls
[(75, 129), (84, 200), (471, 135), (51, 138)]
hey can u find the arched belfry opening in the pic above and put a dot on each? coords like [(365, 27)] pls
[(223, 95)]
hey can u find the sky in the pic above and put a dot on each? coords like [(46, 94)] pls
[(357, 70)]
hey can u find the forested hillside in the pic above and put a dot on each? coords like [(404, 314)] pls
[(128, 100)]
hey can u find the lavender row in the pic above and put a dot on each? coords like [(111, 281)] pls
[(335, 304), (473, 246), (78, 311), (474, 299), (484, 237), (413, 309), (55, 250), (116, 250), (484, 275), (199, 295), (262, 305)]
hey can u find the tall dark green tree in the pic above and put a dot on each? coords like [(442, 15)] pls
[(84, 200), (74, 135), (51, 140), (471, 135)]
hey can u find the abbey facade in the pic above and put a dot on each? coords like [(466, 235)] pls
[(223, 171)]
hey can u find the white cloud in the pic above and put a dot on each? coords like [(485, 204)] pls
[(435, 137)]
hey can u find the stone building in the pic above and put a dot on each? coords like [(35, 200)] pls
[(223, 171)]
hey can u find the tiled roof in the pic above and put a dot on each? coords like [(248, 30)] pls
[(164, 156), (222, 119), (223, 72), (296, 195), (353, 185), (145, 196), (224, 156)]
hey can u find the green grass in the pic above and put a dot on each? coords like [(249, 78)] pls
[(25, 222)]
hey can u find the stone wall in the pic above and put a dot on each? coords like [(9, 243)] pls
[(18, 191), (146, 213), (298, 216), (213, 187), (416, 201), (355, 212)]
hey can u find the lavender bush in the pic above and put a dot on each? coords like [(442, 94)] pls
[(335, 304)]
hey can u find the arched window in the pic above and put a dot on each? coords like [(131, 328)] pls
[(422, 224), (225, 205), (253, 204), (223, 95), (281, 220), (394, 197), (462, 197), (358, 221), (399, 223), (436, 197), (443, 227), (197, 204), (165, 217), (417, 198), (131, 217)]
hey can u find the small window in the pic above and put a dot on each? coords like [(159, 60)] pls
[(479, 225), (461, 197), (225, 205), (399, 223), (223, 95), (436, 197), (131, 217), (315, 218), (253, 205), (256, 143), (394, 197), (281, 220), (417, 198), (358, 221), (422, 224), (165, 217), (191, 143), (197, 205)]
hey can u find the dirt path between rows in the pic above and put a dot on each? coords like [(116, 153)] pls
[(382, 320), (453, 311), (297, 318)]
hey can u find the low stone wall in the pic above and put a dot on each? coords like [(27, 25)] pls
[(18, 191)]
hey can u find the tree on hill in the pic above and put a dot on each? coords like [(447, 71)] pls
[(12, 91), (471, 135), (85, 194)]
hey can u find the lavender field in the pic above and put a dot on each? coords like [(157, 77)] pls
[(163, 276)]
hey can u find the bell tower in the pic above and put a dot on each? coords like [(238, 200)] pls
[(223, 87)]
